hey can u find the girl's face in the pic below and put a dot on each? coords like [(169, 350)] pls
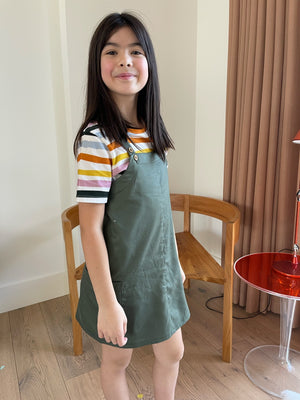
[(124, 67)]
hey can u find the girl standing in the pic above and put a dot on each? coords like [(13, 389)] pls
[(132, 287)]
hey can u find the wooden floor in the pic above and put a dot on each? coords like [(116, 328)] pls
[(36, 360)]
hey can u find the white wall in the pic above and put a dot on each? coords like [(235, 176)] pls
[(31, 246), (212, 45), (43, 73)]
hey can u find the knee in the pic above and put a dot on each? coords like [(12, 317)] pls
[(177, 355), (172, 356), (116, 360), (116, 364)]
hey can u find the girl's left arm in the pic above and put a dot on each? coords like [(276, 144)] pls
[(112, 320)]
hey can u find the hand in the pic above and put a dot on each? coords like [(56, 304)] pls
[(112, 324)]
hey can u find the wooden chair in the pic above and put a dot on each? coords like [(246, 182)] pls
[(195, 260), (70, 219), (197, 263)]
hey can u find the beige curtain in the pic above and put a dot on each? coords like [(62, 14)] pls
[(262, 117)]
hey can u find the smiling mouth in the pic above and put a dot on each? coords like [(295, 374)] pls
[(125, 76)]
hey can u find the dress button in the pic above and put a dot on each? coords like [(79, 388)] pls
[(135, 157), (130, 149)]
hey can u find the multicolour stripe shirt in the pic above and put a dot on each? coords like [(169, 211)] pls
[(100, 161)]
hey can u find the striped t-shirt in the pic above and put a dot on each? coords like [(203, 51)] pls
[(100, 161)]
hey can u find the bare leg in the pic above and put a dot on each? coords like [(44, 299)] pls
[(165, 370), (113, 372)]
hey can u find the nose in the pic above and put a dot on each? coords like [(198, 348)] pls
[(126, 60)]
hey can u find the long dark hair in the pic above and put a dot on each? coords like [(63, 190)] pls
[(100, 106)]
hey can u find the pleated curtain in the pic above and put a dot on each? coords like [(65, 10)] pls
[(262, 117)]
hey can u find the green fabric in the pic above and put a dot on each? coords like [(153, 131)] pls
[(145, 271)]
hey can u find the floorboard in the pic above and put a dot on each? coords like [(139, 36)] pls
[(8, 372), (38, 372), (59, 325), (86, 386), (36, 352)]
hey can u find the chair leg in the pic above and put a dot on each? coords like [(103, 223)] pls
[(77, 331), (227, 323), (77, 338)]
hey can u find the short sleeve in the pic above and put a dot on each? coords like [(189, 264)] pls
[(94, 169)]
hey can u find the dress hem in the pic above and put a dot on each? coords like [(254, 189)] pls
[(140, 344)]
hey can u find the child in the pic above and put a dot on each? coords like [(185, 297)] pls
[(132, 287)]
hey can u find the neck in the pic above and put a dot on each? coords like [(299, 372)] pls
[(128, 109)]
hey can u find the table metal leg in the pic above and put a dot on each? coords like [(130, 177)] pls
[(276, 369), (287, 310)]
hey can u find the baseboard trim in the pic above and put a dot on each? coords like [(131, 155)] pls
[(21, 294)]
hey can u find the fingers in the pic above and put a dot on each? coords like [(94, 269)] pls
[(120, 340), (112, 325), (100, 334)]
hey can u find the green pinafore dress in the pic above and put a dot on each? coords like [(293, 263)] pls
[(145, 270)]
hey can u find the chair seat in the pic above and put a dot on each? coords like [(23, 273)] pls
[(79, 271), (196, 262)]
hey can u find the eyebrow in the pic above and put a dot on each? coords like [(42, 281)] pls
[(117, 45)]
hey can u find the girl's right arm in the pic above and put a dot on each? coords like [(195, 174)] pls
[(112, 321)]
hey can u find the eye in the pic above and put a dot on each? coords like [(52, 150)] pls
[(111, 52), (137, 52)]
